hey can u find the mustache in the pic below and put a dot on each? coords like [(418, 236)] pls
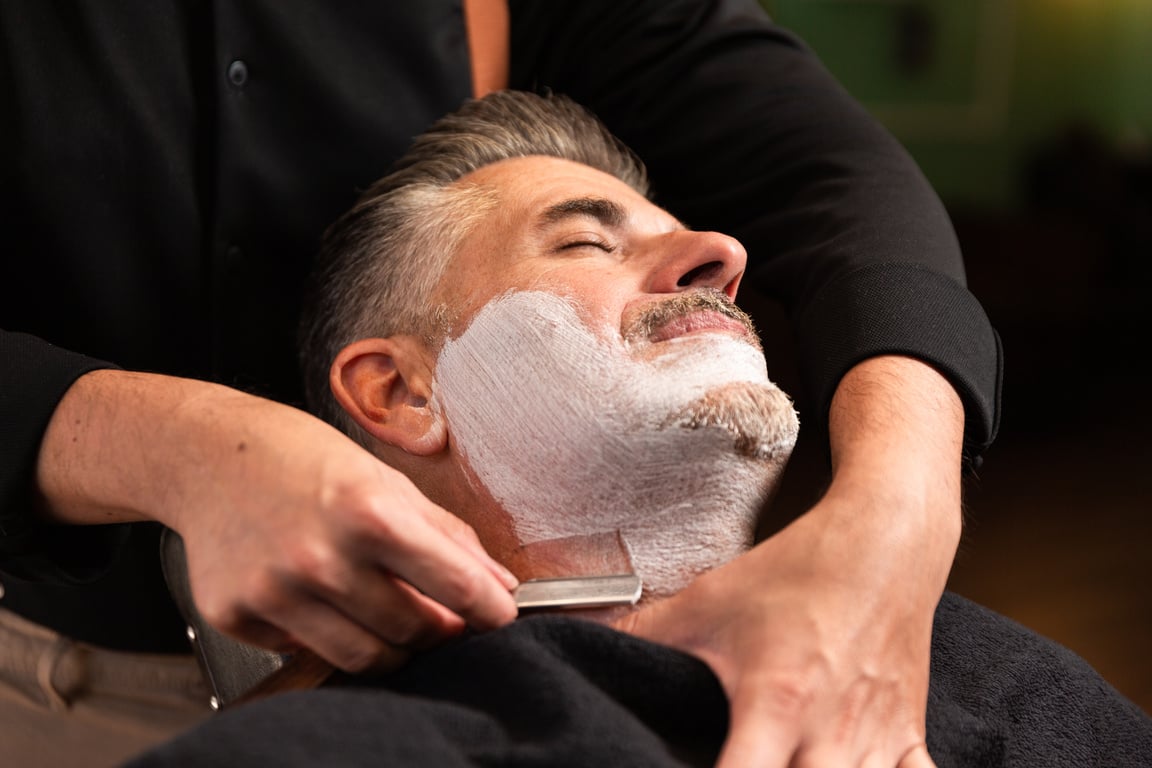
[(651, 318)]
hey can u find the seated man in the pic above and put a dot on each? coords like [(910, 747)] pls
[(510, 322)]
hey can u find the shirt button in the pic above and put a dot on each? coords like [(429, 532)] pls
[(238, 73)]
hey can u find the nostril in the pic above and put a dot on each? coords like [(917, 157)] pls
[(701, 272)]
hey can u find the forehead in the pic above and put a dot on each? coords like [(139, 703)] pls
[(534, 198), (535, 179)]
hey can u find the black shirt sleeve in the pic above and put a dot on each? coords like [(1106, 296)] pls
[(33, 378), (744, 131)]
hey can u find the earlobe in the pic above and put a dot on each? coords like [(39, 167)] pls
[(385, 385)]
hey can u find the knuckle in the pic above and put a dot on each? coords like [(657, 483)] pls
[(406, 625), (312, 565), (418, 630), (375, 518), (228, 607), (351, 500), (263, 594), (790, 694), (222, 614), (458, 529), (466, 590)]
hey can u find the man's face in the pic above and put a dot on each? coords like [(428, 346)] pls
[(597, 378), (568, 229)]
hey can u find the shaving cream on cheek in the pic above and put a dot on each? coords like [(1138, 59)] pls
[(570, 434)]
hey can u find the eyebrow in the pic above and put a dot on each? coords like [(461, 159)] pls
[(607, 212)]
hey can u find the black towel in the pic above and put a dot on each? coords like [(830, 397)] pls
[(553, 691), (1001, 695)]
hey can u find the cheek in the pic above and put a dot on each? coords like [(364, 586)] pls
[(599, 296), (476, 286)]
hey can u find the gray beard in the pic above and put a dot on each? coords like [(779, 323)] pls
[(761, 421), (572, 436)]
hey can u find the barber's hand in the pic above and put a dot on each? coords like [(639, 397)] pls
[(294, 534), (821, 647), (821, 634), (302, 536)]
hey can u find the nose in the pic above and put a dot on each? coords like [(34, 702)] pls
[(687, 259)]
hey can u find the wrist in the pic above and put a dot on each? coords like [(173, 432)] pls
[(896, 432)]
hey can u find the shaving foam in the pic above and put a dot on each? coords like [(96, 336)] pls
[(573, 434)]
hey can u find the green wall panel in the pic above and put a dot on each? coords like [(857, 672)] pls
[(995, 79)]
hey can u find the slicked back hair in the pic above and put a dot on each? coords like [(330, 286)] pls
[(380, 262)]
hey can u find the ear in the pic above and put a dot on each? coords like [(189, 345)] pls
[(385, 386)]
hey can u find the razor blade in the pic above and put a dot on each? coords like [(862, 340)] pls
[(578, 592)]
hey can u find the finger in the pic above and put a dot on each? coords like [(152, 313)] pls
[(917, 757), (336, 638), (755, 739), (437, 564), (395, 611), (416, 508), (464, 535), (260, 633)]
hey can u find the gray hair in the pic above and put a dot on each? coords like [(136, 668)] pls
[(380, 262)]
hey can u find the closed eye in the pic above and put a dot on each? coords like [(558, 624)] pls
[(587, 243)]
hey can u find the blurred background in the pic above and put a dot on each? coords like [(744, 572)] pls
[(1033, 121)]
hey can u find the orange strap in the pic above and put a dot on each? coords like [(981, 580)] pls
[(487, 24)]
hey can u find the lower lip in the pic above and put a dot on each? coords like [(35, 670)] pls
[(699, 322)]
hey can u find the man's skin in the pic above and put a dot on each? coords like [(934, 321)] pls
[(816, 673), (820, 634)]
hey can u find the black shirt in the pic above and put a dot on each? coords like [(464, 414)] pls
[(168, 168)]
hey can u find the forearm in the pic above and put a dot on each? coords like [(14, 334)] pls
[(896, 430), (294, 533), (120, 446)]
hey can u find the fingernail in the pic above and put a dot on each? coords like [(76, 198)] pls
[(505, 575)]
